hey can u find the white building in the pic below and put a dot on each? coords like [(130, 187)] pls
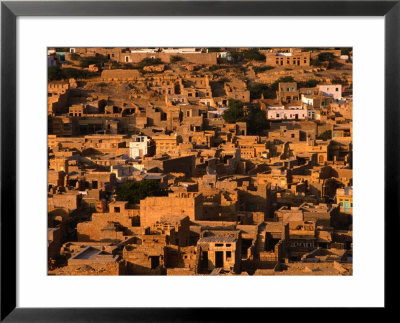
[(139, 146), (290, 113), (309, 101), (332, 90)]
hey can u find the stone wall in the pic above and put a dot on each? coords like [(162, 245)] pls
[(200, 58), (155, 207)]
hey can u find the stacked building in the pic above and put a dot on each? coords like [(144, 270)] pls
[(147, 177)]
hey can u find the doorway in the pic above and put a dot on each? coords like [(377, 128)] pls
[(246, 244), (219, 259), (155, 261), (204, 260)]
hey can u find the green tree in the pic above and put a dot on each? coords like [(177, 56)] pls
[(97, 60), (256, 89), (283, 79), (148, 61), (326, 57), (234, 57), (133, 192), (235, 111), (315, 62), (57, 73), (54, 73), (253, 54), (62, 49), (325, 135), (255, 118), (335, 65), (256, 121), (346, 50), (213, 49), (75, 56), (260, 69), (175, 58), (310, 83)]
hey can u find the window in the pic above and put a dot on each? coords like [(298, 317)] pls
[(117, 209), (219, 244), (341, 204), (337, 89), (228, 254)]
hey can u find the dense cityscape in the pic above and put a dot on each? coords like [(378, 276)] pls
[(200, 161)]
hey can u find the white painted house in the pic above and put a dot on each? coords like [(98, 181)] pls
[(332, 90), (286, 113), (138, 147)]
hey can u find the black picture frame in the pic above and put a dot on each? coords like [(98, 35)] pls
[(10, 10)]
